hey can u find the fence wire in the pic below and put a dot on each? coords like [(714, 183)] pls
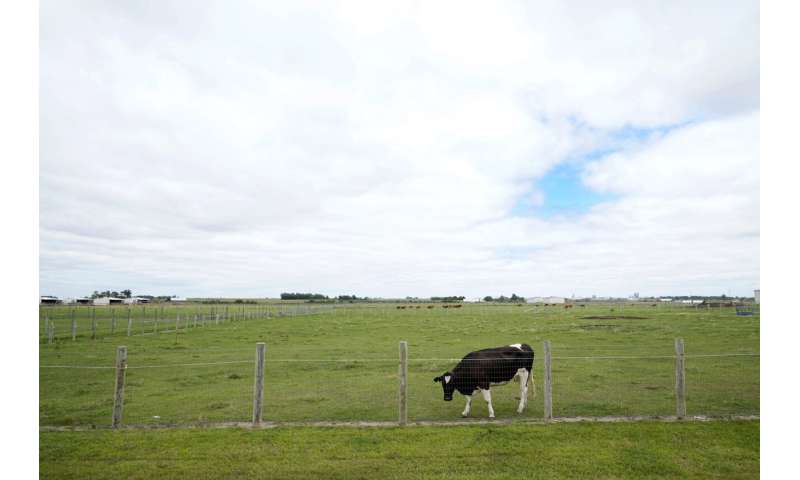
[(93, 322), (330, 389), (723, 385), (207, 385)]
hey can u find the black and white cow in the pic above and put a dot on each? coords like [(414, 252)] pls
[(492, 366)]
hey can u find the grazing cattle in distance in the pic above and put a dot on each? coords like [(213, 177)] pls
[(431, 306), (445, 306), (479, 370), (456, 306), (567, 306)]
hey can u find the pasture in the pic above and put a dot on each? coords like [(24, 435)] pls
[(722, 449), (342, 364)]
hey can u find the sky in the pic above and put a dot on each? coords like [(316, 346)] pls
[(392, 149)]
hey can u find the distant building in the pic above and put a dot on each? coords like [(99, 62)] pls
[(178, 300), (692, 302), (135, 300), (546, 300), (664, 299), (108, 301), (48, 300)]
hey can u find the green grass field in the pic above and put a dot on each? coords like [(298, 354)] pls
[(725, 450), (342, 364)]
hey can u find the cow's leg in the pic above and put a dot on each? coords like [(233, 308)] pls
[(487, 395), (465, 413), (523, 389)]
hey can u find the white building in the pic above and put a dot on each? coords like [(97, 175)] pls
[(134, 300), (108, 301), (546, 300), (48, 300)]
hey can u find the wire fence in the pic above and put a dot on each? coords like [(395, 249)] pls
[(219, 385), (92, 322)]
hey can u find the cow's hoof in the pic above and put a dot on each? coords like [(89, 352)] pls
[(491, 417), (464, 415)]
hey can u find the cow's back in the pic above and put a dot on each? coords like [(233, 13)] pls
[(493, 365)]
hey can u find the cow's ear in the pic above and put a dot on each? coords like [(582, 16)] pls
[(437, 379)]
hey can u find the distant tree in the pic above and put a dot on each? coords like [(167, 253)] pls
[(303, 296), (487, 298), (448, 299)]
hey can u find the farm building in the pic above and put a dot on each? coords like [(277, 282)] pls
[(178, 300), (108, 301), (48, 300), (546, 300), (79, 301), (134, 300)]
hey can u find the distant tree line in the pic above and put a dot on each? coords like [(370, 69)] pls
[(448, 299), (303, 296), (514, 298), (352, 298)]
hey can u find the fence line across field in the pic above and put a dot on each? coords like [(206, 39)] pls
[(391, 360), (148, 324), (261, 382)]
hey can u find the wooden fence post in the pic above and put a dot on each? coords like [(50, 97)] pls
[(46, 323), (403, 378), (130, 321), (548, 383), (258, 393), (113, 320), (177, 323), (680, 379), (74, 325), (155, 316), (94, 324), (51, 332), (119, 386)]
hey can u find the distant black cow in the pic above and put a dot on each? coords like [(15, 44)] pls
[(492, 366)]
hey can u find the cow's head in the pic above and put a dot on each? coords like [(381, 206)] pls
[(448, 385)]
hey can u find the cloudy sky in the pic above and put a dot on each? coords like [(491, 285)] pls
[(389, 149)]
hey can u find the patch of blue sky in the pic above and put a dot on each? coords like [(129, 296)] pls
[(632, 133), (562, 193)]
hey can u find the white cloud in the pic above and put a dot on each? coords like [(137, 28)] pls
[(248, 149)]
